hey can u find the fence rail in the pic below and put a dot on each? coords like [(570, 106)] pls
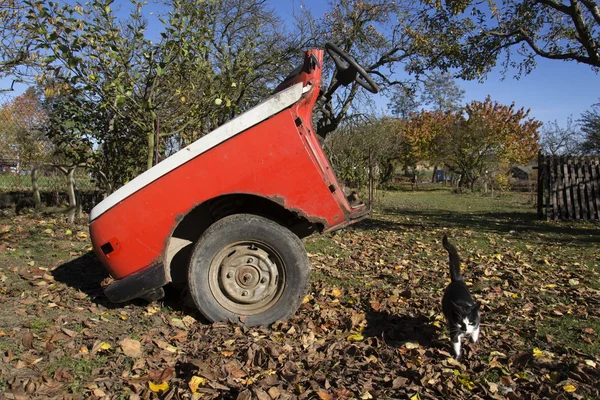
[(568, 188)]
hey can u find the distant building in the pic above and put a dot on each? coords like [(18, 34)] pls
[(520, 172), (8, 166)]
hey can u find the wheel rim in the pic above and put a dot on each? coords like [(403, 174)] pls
[(247, 277)]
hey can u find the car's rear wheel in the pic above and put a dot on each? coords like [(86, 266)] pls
[(249, 269)]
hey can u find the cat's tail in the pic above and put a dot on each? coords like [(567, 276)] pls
[(454, 260)]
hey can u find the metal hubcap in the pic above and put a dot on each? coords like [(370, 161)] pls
[(245, 277)]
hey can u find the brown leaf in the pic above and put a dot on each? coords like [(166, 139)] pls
[(63, 375), (180, 336), (131, 348), (28, 340), (69, 332), (323, 395), (274, 392), (261, 394), (233, 370), (162, 376), (167, 374), (245, 395)]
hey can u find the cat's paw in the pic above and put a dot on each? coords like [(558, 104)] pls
[(475, 335)]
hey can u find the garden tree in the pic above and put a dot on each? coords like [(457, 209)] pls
[(366, 150), (438, 90), (491, 32), (250, 51), (380, 36), (487, 136), (21, 137), (441, 92), (404, 101), (590, 126), (213, 60), (110, 66), (425, 133), (15, 41), (492, 136), (556, 140)]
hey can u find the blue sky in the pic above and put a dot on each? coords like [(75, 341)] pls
[(553, 91)]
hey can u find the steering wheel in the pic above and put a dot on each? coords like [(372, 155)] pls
[(347, 72)]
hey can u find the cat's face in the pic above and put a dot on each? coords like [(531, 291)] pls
[(467, 318)]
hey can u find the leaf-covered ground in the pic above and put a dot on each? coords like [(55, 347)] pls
[(370, 327)]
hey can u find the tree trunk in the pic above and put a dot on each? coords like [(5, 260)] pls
[(150, 158), (71, 192), (371, 188), (435, 168), (36, 191), (156, 140)]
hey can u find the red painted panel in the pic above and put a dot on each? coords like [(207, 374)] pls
[(269, 160), (275, 159)]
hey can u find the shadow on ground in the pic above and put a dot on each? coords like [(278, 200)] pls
[(399, 329), (517, 223), (86, 273)]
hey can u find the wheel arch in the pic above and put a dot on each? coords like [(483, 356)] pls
[(193, 224)]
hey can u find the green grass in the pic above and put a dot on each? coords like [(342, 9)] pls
[(58, 182), (81, 368), (322, 244), (341, 282), (568, 331), (511, 213), (39, 325)]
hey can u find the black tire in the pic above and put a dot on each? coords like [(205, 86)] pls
[(248, 269)]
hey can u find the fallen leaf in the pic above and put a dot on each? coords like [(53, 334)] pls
[(323, 395), (590, 363), (28, 340), (131, 348), (569, 388), (538, 353), (195, 382), (355, 337), (161, 387)]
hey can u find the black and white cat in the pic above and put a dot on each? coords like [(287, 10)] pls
[(460, 310)]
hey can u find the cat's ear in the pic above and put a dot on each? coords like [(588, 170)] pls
[(476, 306)]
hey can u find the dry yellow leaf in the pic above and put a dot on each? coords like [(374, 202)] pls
[(569, 388), (355, 337), (415, 397), (305, 300), (105, 346), (538, 353), (336, 292), (589, 363), (195, 382), (158, 387)]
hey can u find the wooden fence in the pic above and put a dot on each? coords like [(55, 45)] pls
[(568, 188)]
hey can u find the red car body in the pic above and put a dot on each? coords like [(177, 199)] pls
[(268, 160)]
